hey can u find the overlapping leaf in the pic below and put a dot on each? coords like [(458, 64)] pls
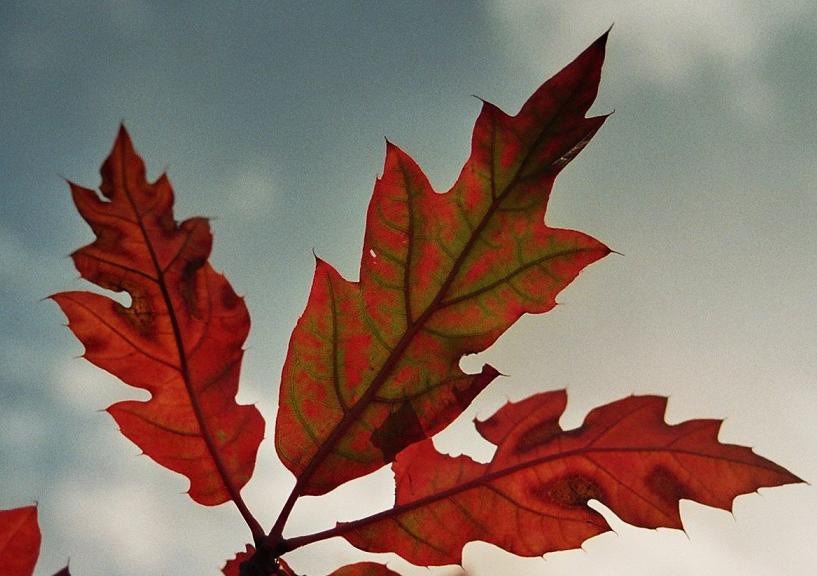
[(364, 569), (181, 337), (238, 566), (19, 541), (233, 567), (374, 366), (532, 497)]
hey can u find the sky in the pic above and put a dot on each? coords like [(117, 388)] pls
[(270, 118)]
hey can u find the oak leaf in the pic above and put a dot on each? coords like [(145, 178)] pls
[(532, 498), (233, 567), (364, 569), (373, 366), (19, 541), (372, 371), (181, 336)]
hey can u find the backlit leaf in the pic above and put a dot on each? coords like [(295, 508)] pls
[(19, 541), (532, 498), (373, 366), (233, 567), (364, 569), (181, 337)]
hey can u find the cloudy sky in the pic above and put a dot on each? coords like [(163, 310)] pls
[(271, 117)]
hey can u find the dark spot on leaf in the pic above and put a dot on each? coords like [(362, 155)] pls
[(140, 312), (114, 282), (187, 289), (570, 491), (666, 485), (537, 436), (93, 344), (399, 430), (192, 266)]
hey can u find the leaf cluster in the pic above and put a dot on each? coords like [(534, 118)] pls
[(373, 372)]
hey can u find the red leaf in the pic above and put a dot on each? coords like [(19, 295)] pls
[(364, 569), (19, 541), (532, 497), (373, 366), (180, 339), (233, 567)]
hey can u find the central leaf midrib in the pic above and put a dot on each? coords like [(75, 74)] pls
[(396, 353), (487, 478), (184, 369)]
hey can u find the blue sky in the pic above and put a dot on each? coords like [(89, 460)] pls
[(271, 118)]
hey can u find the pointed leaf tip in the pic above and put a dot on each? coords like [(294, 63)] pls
[(373, 366), (542, 477), (181, 339), (19, 541)]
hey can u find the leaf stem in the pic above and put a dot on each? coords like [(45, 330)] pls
[(256, 529)]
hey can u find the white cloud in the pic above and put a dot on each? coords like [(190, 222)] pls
[(121, 516), (252, 189), (113, 512), (82, 387), (14, 257), (23, 431), (664, 43)]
